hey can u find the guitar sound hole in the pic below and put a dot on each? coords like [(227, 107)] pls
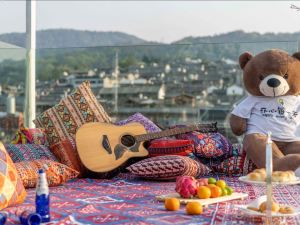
[(128, 140)]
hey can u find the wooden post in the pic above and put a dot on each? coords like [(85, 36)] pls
[(30, 93)]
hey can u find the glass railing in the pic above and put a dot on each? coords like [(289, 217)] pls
[(12, 83), (170, 84)]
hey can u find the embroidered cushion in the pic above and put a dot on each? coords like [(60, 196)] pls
[(170, 147), (30, 136), (12, 190), (63, 120), (138, 117), (67, 154), (208, 145), (27, 152), (237, 164), (168, 167), (56, 173)]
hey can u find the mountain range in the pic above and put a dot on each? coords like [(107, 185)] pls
[(66, 50), (66, 38)]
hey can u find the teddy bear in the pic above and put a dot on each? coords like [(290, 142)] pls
[(272, 80)]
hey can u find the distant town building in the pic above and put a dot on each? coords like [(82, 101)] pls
[(234, 90)]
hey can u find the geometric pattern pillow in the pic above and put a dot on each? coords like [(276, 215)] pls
[(168, 167), (56, 173), (12, 190), (170, 147), (63, 119), (30, 136), (27, 152)]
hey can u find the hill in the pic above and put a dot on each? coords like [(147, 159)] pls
[(241, 36), (63, 38)]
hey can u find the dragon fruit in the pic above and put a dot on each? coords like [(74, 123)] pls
[(186, 186)]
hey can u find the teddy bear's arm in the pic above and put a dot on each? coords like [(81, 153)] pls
[(238, 125)]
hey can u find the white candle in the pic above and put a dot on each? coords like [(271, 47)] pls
[(269, 170)]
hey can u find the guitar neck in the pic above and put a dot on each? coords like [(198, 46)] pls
[(203, 128)]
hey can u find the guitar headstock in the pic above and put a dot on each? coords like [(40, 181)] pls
[(207, 127)]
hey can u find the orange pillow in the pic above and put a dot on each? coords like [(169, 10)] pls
[(56, 173), (12, 190)]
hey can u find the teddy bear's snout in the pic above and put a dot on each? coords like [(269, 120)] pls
[(274, 85), (273, 82)]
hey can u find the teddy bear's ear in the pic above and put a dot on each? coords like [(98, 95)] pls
[(296, 55), (244, 59)]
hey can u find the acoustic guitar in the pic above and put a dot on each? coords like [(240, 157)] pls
[(103, 147)]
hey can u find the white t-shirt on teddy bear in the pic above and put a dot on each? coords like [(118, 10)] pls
[(280, 115)]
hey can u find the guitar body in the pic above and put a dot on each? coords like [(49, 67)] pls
[(103, 147)]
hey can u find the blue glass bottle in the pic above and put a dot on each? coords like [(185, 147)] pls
[(3, 217), (42, 198), (30, 218)]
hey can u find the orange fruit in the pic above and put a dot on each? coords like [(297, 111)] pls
[(194, 208), (211, 185), (203, 192), (221, 183), (216, 192), (172, 204)]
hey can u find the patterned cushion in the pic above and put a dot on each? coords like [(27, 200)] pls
[(66, 152), (12, 190), (63, 120), (238, 164), (170, 147), (168, 167), (27, 152), (30, 136), (56, 173), (138, 117), (208, 145)]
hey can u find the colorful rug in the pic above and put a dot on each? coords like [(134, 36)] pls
[(128, 200)]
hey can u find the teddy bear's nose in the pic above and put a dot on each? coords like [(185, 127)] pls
[(273, 82)]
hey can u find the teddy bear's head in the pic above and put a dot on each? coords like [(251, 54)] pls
[(271, 73)]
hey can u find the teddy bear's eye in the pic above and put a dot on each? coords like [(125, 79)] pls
[(285, 76), (261, 77)]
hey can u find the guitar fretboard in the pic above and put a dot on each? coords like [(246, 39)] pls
[(204, 128)]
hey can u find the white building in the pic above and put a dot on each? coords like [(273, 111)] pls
[(234, 90)]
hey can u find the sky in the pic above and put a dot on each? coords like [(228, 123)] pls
[(163, 21)]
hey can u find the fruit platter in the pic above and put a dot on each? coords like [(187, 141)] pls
[(204, 191)]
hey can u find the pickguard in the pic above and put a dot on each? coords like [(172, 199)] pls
[(120, 150), (106, 144)]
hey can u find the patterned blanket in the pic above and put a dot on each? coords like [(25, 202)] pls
[(128, 200)]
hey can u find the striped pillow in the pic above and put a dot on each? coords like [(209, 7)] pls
[(170, 147), (168, 167)]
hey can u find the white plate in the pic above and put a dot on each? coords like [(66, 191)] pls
[(256, 203), (250, 212), (246, 180)]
